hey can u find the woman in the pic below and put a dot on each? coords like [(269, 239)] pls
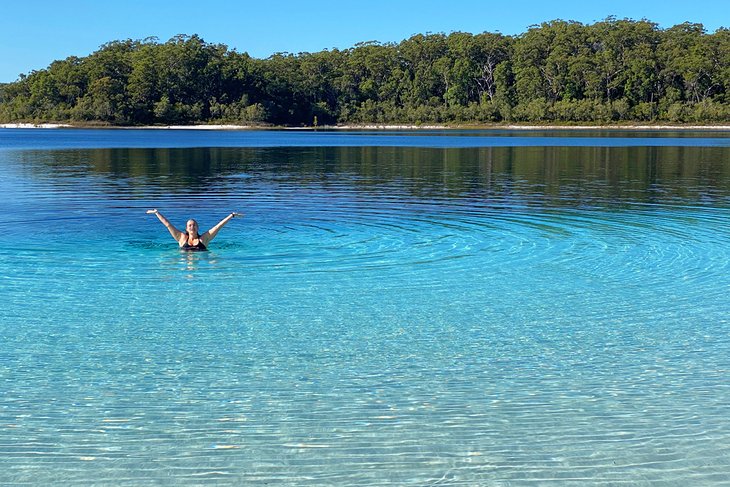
[(191, 239)]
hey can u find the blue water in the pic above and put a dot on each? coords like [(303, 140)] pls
[(393, 309), (148, 138)]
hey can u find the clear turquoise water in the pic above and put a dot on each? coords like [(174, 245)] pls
[(405, 309)]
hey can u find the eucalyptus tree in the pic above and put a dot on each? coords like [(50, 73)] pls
[(626, 67), (320, 72), (689, 58), (190, 72), (722, 62), (542, 61), (284, 96), (488, 51), (559, 70), (144, 86), (424, 58)]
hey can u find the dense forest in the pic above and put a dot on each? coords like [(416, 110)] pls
[(560, 71)]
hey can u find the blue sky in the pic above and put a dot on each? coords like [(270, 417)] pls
[(33, 33)]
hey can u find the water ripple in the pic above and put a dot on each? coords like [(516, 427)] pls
[(358, 328)]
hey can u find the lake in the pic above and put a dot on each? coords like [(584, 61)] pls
[(395, 308)]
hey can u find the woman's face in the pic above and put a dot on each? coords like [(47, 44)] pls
[(192, 227)]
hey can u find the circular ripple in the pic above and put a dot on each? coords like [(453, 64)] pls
[(404, 233)]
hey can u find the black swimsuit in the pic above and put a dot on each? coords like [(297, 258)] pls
[(200, 246)]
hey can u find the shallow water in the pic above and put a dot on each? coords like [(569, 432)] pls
[(421, 308)]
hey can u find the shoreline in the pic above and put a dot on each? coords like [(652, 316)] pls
[(515, 127)]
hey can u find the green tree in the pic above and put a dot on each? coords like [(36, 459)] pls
[(691, 61), (559, 70)]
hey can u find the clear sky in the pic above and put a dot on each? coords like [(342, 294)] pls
[(33, 33)]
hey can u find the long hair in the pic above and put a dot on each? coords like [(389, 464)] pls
[(197, 231)]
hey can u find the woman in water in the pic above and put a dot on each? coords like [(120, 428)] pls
[(191, 239)]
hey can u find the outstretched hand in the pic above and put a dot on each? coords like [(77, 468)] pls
[(152, 212), (235, 214)]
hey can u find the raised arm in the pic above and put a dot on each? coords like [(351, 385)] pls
[(176, 234), (210, 234)]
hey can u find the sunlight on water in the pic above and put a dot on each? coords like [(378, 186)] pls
[(382, 315)]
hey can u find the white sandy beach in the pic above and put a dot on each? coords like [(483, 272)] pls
[(34, 125), (379, 127), (161, 127), (615, 127), (197, 127), (525, 127)]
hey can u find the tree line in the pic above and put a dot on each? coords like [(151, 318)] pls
[(560, 71)]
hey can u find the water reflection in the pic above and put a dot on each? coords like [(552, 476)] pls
[(553, 175), (189, 265), (412, 310)]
